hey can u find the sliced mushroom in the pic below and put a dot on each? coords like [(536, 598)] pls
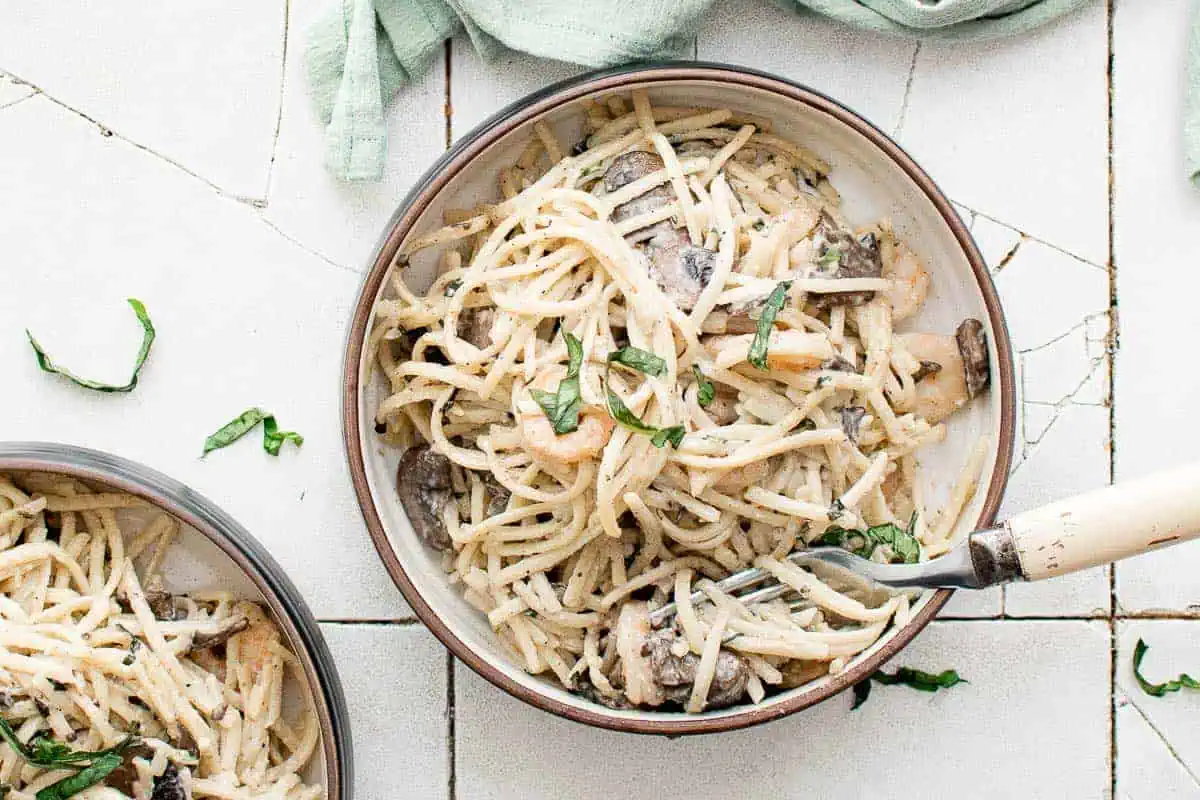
[(972, 346), (856, 258), (624, 170), (926, 369), (797, 673), (677, 674), (838, 364), (852, 417), (123, 777), (475, 326), (680, 269), (423, 484), (229, 626), (161, 602), (169, 786), (723, 408)]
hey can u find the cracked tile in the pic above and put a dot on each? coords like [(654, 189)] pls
[(1157, 220), (392, 673), (1158, 743), (13, 91), (808, 751), (244, 318), (1013, 144), (866, 71), (343, 221), (195, 82)]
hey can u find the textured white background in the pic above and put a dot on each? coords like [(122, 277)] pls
[(169, 152)]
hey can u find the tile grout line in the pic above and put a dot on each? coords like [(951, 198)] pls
[(1026, 236), (902, 117), (1113, 602), (287, 20)]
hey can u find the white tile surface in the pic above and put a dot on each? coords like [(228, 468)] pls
[(865, 71), (395, 682), (343, 221), (244, 318), (197, 82), (1158, 744), (828, 751), (1155, 282), (1023, 138)]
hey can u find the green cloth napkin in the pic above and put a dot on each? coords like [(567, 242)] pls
[(363, 51)]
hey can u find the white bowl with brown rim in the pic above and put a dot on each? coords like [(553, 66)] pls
[(876, 179)]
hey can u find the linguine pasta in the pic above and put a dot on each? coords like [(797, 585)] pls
[(189, 692), (658, 360)]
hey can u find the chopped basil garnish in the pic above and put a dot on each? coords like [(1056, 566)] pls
[(143, 317), (1184, 681), (273, 438), (766, 323), (704, 388), (640, 360), (89, 776), (832, 255), (562, 407), (43, 751), (905, 547), (659, 436), (759, 224), (914, 678), (451, 288)]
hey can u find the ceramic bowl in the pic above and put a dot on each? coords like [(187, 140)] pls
[(876, 179), (213, 551)]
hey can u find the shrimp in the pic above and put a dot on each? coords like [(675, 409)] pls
[(943, 390), (586, 441), (254, 644), (910, 282)]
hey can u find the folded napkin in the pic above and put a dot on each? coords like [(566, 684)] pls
[(363, 51)]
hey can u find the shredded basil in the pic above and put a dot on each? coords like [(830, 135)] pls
[(143, 317), (907, 676), (44, 751), (766, 323), (1184, 681), (905, 547), (704, 388), (759, 224), (89, 776), (562, 406), (451, 287), (639, 359), (832, 255), (659, 436), (273, 438)]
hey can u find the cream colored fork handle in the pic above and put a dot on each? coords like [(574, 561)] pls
[(1109, 524)]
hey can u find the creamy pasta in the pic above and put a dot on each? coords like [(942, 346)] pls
[(144, 693), (660, 359)]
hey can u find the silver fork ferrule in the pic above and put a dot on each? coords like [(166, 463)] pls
[(994, 556)]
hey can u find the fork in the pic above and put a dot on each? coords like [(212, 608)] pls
[(1084, 531)]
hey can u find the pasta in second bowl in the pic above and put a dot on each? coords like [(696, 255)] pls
[(650, 328)]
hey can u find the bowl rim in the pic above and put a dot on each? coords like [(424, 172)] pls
[(459, 157), (237, 543)]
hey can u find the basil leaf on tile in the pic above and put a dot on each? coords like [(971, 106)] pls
[(1184, 681), (245, 422), (47, 364)]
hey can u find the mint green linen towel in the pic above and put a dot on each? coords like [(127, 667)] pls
[(363, 51)]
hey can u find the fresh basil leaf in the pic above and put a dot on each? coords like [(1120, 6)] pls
[(759, 225), (47, 365), (673, 434), (766, 323), (904, 545), (806, 425), (89, 776), (704, 388), (451, 287), (562, 407), (862, 691), (245, 422), (1184, 681), (832, 255), (273, 438), (640, 360), (659, 436), (44, 751)]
